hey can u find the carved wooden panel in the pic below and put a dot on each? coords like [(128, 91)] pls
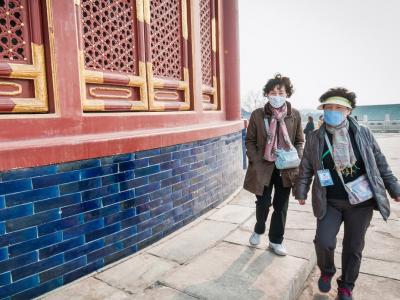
[(22, 59), (166, 33), (208, 38), (112, 55)]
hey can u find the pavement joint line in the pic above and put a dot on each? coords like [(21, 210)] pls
[(387, 234), (300, 211), (308, 229), (290, 239), (222, 221), (166, 259), (304, 242), (158, 282), (375, 275), (114, 287), (375, 259), (265, 249)]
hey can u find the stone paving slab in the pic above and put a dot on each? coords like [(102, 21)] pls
[(300, 219), (235, 214), (373, 287), (192, 242), (88, 289), (229, 271), (136, 273), (368, 287), (301, 235), (375, 267), (294, 205), (382, 242), (245, 198)]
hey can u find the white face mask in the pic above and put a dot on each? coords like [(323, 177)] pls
[(276, 101)]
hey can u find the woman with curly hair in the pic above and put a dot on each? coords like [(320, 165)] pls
[(351, 179), (273, 128)]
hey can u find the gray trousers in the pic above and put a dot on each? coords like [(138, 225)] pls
[(356, 220)]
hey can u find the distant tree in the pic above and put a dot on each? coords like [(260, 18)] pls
[(252, 100)]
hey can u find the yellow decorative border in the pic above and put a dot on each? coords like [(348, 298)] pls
[(174, 96), (185, 33), (139, 10), (98, 78), (18, 87), (213, 35), (146, 10), (37, 72), (103, 88)]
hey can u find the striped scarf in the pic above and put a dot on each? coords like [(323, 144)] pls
[(277, 136), (343, 154)]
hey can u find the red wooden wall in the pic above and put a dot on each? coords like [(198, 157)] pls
[(82, 79)]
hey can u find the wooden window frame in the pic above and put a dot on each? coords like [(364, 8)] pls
[(210, 94), (41, 63), (114, 81)]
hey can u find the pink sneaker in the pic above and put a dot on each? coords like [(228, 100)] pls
[(344, 294)]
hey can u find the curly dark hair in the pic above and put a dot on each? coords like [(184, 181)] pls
[(279, 80), (339, 92)]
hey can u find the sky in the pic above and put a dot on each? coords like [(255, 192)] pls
[(322, 44)]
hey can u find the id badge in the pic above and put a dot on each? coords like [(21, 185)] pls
[(325, 177)]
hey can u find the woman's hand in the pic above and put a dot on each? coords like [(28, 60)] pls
[(301, 201)]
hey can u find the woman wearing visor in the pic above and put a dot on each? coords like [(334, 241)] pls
[(274, 143), (351, 179)]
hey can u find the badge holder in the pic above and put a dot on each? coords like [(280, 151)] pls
[(324, 176)]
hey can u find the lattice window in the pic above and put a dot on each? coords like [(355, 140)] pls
[(131, 47), (13, 35), (167, 57), (22, 57), (166, 38), (112, 55), (108, 34), (206, 40)]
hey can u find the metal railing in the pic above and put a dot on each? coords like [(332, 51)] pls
[(382, 126)]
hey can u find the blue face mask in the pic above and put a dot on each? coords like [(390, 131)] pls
[(333, 117)]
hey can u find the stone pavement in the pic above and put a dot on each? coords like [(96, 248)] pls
[(209, 259)]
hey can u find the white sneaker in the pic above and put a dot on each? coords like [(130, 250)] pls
[(254, 239), (278, 249)]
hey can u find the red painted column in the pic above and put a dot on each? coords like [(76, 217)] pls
[(230, 32)]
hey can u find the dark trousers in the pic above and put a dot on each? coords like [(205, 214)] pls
[(280, 204), (356, 220)]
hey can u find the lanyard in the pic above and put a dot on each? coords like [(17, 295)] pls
[(325, 154)]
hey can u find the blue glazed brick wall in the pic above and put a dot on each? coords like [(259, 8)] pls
[(60, 222)]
